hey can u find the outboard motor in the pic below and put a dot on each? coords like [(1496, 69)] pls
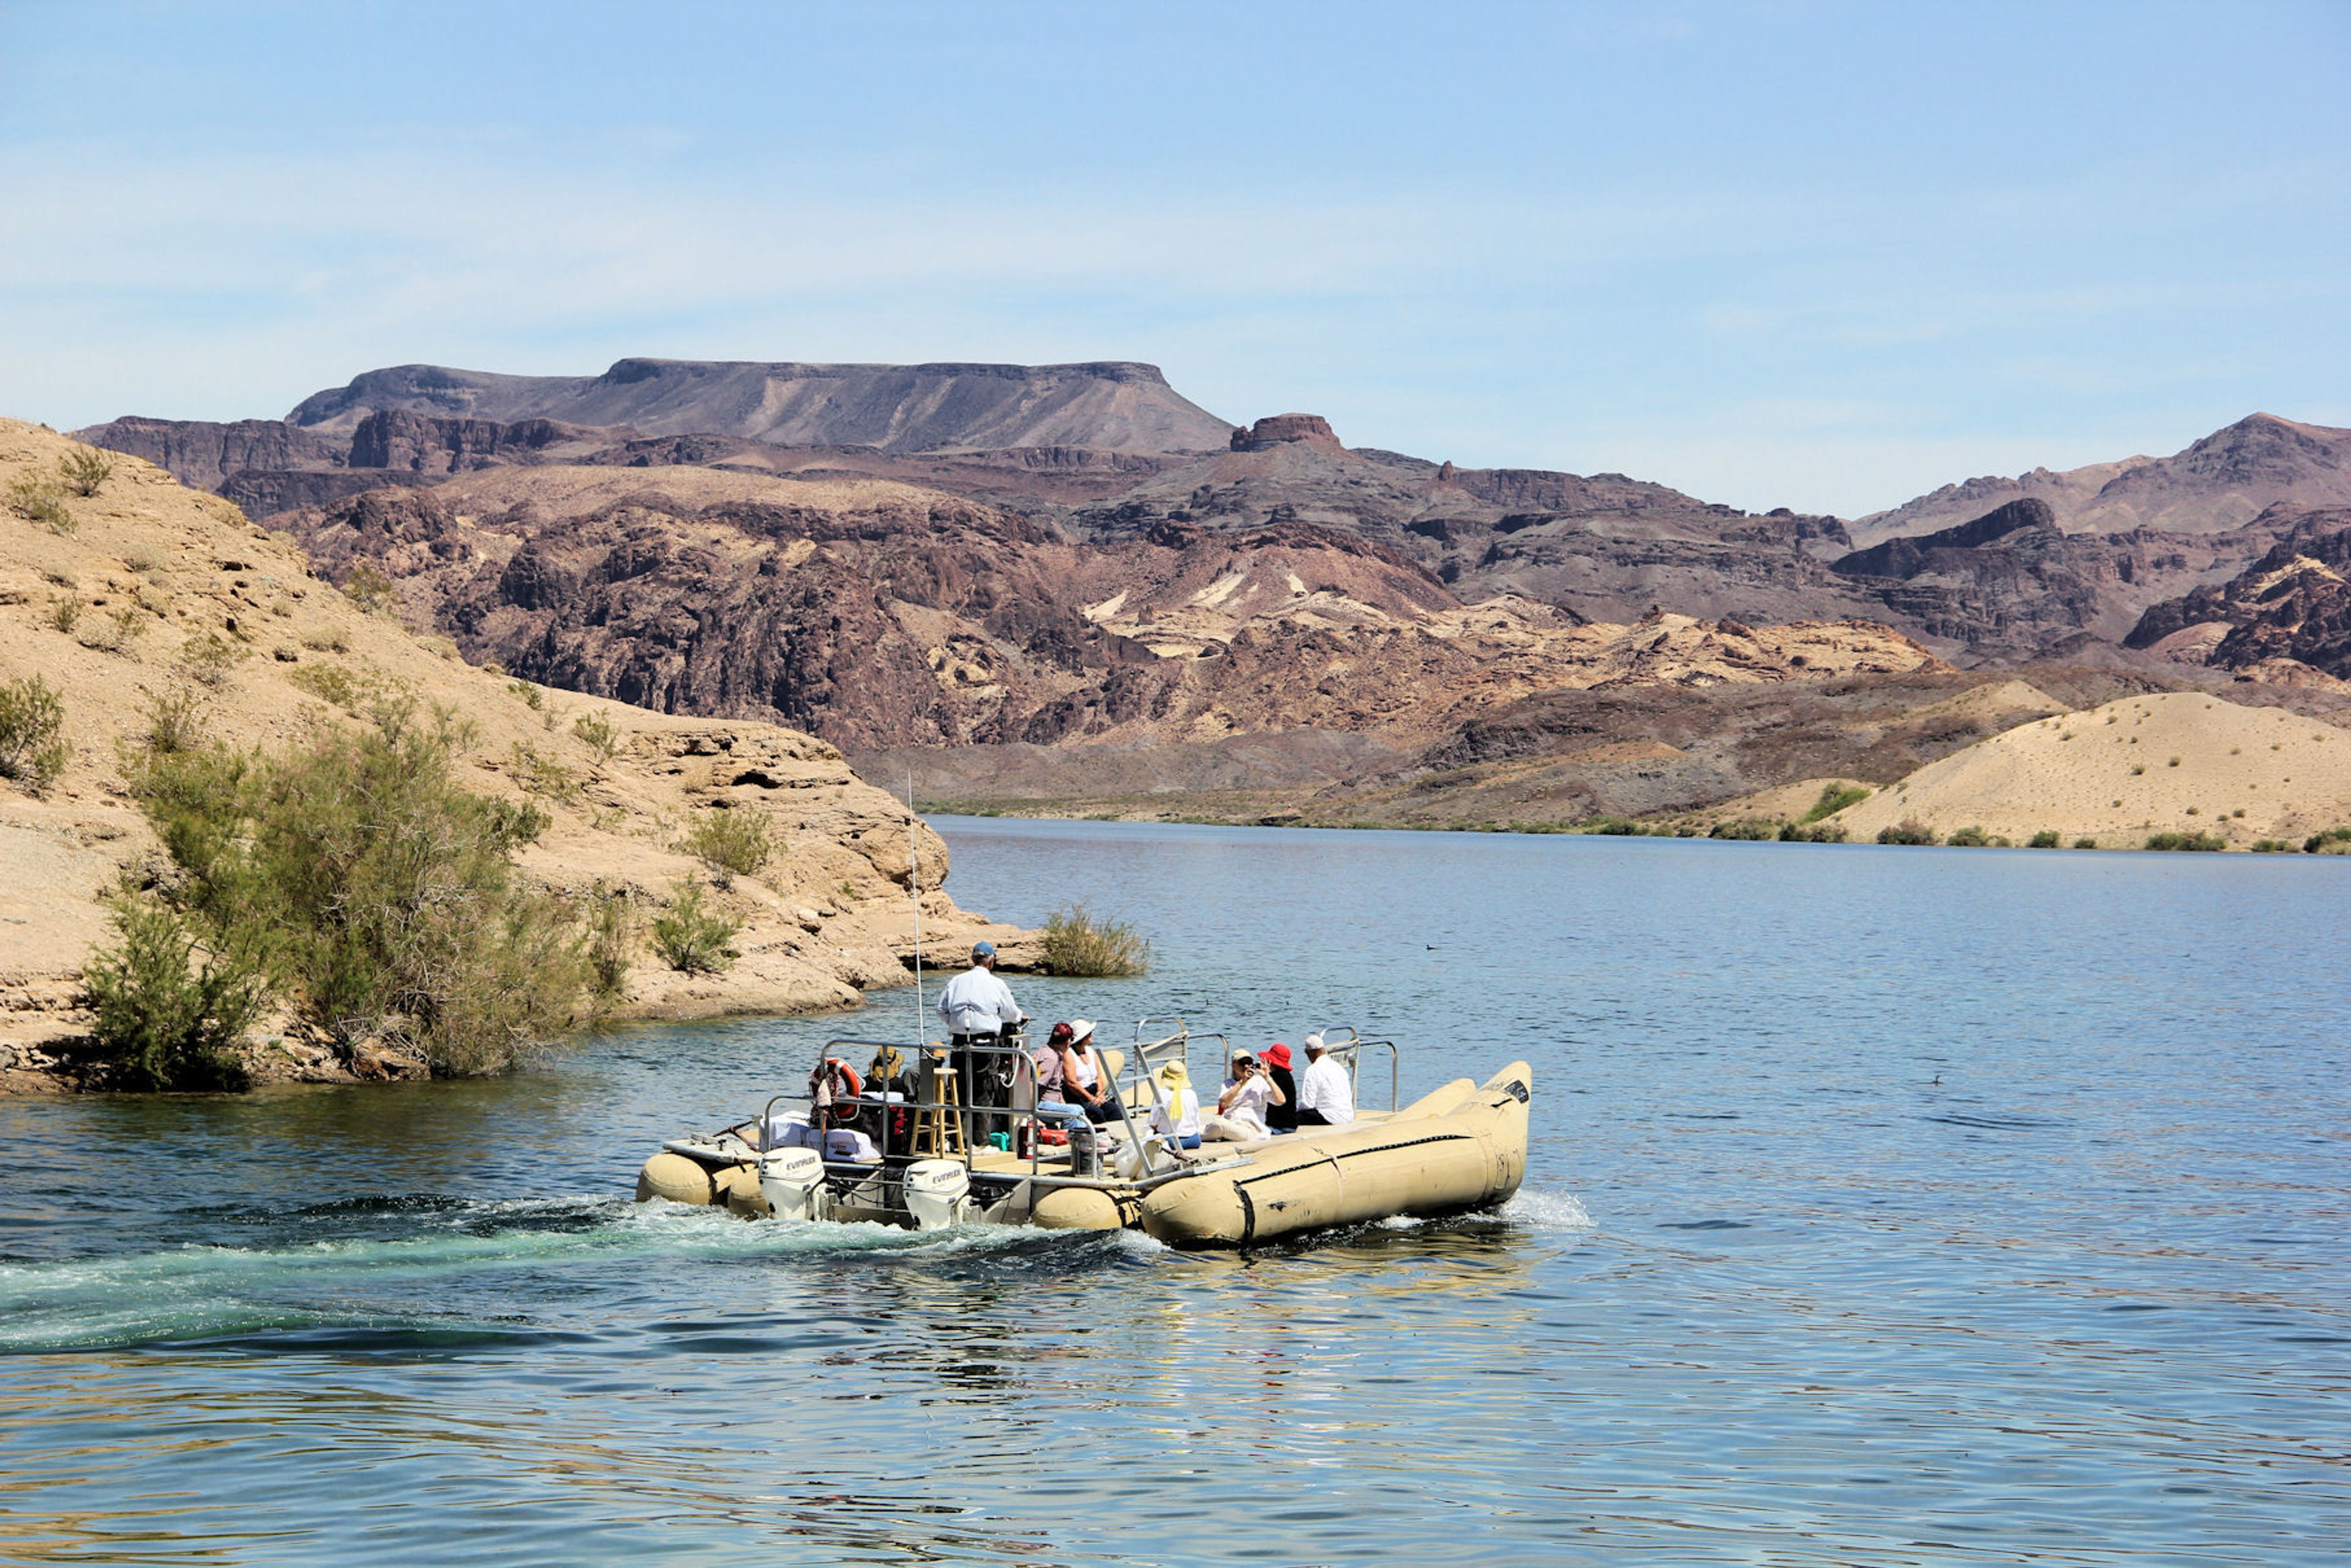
[(936, 1193), (793, 1181)]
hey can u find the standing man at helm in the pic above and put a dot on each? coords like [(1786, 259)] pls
[(979, 1010)]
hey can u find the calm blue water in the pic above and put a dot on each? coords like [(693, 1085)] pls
[(1885, 1206)]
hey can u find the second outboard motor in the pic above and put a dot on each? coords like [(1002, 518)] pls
[(793, 1181), (936, 1193)]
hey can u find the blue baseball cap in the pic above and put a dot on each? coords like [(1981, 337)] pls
[(982, 950)]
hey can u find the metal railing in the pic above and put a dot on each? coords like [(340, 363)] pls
[(1348, 1051)]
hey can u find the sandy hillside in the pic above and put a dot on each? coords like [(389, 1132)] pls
[(2167, 762), (108, 613)]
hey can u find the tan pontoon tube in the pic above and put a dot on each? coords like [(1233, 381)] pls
[(1462, 1147)]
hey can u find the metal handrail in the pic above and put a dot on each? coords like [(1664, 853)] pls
[(1350, 1052)]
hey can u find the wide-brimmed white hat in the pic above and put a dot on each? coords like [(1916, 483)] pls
[(1079, 1029)]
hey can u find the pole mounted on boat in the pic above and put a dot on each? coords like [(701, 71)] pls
[(915, 890)]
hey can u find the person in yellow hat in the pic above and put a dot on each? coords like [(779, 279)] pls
[(1175, 1119)]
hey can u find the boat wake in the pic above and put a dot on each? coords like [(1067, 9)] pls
[(446, 1271)]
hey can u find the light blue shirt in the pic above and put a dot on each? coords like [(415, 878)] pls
[(977, 1002)]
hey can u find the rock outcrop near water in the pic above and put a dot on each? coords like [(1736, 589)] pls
[(161, 601)]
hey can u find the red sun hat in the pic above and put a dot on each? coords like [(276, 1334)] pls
[(1278, 1053)]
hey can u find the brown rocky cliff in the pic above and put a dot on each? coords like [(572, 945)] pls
[(152, 567), (2294, 604), (1282, 429)]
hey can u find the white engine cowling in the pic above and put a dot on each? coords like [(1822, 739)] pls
[(793, 1181), (936, 1193)]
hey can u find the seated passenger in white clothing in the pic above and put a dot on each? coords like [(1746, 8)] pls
[(1240, 1108), (1325, 1097)]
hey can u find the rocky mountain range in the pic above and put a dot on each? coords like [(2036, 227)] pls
[(1114, 406), (2222, 482), (951, 556)]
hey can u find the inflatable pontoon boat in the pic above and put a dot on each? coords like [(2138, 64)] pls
[(933, 1144)]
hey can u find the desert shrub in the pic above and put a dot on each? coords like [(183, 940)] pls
[(2271, 847), (332, 684), (532, 697), (2046, 839), (694, 940), (209, 657), (173, 723), (65, 614), (598, 732), (370, 589), (1615, 828), (2202, 841), (1748, 827), (2332, 841), (1967, 838), (1908, 831), (33, 750), (167, 1012), (85, 468), (611, 935), (540, 774), (381, 895), (2085, 843), (1816, 833), (1835, 798), (42, 501), (1079, 944), (118, 632), (731, 844)]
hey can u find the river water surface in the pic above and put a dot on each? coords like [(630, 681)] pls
[(1884, 1207)]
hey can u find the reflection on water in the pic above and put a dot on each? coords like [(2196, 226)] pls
[(1884, 1207)]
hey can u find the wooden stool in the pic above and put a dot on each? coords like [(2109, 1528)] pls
[(938, 1128)]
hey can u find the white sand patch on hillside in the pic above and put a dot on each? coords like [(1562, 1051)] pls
[(2168, 762)]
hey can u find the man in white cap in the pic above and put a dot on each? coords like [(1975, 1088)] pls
[(979, 1010), (976, 1002), (1325, 1097)]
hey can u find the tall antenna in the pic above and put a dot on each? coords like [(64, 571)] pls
[(915, 889)]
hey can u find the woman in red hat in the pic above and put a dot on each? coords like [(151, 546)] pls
[(1282, 1111)]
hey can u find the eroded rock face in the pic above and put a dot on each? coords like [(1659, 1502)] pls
[(205, 454), (1280, 429), (882, 617), (2293, 604)]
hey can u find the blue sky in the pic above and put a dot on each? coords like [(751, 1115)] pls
[(1821, 256)]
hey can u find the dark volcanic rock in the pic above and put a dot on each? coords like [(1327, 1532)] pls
[(422, 444), (1907, 558), (265, 492), (203, 453), (2293, 603), (898, 619)]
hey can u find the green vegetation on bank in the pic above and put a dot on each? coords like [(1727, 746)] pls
[(694, 940), (731, 844), (359, 886), (1834, 798), (1079, 944)]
